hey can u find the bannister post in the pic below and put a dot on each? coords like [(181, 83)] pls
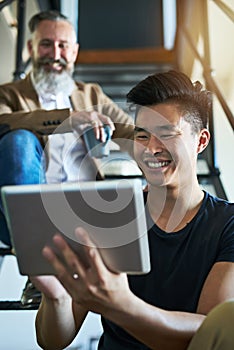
[(211, 151), (19, 72)]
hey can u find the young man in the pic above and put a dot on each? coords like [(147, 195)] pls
[(49, 104), (191, 238)]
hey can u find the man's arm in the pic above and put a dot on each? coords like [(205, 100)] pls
[(58, 318), (61, 322), (161, 329), (40, 121), (90, 94), (19, 111), (218, 287), (101, 291), (157, 328)]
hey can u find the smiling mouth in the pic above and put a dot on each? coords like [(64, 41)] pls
[(55, 65), (156, 165)]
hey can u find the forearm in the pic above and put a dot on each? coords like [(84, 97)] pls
[(124, 125), (40, 121), (56, 325), (157, 328)]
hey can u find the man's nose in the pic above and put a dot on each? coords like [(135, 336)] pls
[(56, 51), (154, 144)]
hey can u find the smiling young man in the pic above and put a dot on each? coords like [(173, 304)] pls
[(166, 150), (191, 239)]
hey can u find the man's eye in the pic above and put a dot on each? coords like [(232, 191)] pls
[(63, 46), (141, 136), (167, 136), (45, 44)]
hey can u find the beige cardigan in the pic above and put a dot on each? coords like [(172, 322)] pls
[(20, 109)]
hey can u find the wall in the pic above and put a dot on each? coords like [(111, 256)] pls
[(120, 24), (7, 57), (8, 16), (219, 36)]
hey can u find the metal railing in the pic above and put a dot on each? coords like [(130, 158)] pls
[(183, 32), (193, 56)]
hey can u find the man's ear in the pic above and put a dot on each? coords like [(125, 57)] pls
[(30, 46), (203, 140), (75, 52)]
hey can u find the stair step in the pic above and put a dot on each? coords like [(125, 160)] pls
[(117, 74)]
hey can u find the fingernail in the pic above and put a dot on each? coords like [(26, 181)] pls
[(46, 252)]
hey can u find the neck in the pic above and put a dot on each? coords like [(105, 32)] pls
[(172, 208)]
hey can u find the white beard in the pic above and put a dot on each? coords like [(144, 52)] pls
[(52, 83)]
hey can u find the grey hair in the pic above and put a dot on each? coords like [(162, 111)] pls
[(50, 15)]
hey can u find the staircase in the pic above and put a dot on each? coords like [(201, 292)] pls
[(117, 80)]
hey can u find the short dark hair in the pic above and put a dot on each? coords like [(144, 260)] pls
[(191, 99), (51, 15)]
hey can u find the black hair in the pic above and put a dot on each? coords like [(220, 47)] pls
[(191, 99), (51, 15)]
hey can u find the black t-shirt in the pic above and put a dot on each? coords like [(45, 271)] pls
[(180, 263)]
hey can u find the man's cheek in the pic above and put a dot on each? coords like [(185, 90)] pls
[(137, 150)]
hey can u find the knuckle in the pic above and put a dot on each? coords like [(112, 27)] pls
[(62, 274)]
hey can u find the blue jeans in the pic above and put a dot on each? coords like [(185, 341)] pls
[(21, 162)]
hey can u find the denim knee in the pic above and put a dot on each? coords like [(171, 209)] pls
[(21, 158), (21, 162)]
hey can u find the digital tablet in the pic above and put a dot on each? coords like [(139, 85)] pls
[(112, 211)]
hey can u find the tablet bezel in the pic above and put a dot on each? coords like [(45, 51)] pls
[(26, 208)]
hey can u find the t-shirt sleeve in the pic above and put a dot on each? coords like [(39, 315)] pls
[(226, 251)]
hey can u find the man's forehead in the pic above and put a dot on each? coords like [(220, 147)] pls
[(147, 116), (55, 30), (157, 130)]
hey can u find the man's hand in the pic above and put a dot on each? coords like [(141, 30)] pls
[(94, 287), (49, 286), (81, 120)]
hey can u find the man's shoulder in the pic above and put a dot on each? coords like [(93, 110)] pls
[(88, 86), (219, 207), (219, 201), (16, 85)]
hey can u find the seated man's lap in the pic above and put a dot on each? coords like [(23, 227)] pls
[(21, 162), (216, 332)]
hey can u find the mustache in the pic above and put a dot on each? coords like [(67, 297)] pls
[(152, 157), (47, 60)]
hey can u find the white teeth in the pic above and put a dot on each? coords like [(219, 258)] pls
[(156, 165)]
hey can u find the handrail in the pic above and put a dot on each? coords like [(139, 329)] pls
[(21, 13), (225, 8), (207, 74), (207, 70), (133, 55), (5, 3)]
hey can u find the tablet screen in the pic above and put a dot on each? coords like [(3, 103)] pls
[(111, 211)]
